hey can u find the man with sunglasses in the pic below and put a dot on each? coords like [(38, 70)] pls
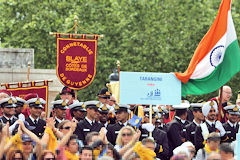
[(226, 95), (35, 109), (8, 110), (231, 126), (104, 96), (89, 124), (198, 119), (122, 114), (211, 124), (59, 109)]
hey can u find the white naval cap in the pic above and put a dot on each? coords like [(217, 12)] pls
[(122, 107), (8, 102), (36, 102), (208, 105), (92, 104), (104, 108), (196, 105), (233, 109), (20, 101), (183, 105), (62, 104), (77, 106)]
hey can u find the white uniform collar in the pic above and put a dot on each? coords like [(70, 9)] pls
[(210, 123), (232, 125), (183, 121), (59, 121), (32, 119), (89, 121), (125, 124), (196, 122)]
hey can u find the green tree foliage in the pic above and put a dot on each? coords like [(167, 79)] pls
[(145, 35)]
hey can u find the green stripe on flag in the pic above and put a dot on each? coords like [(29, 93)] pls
[(220, 76)]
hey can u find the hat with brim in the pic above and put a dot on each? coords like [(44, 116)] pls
[(92, 104), (27, 125), (26, 138), (8, 102), (121, 108), (20, 102), (146, 112), (233, 109), (103, 109), (181, 106), (77, 106), (104, 93), (36, 102), (61, 104), (67, 90)]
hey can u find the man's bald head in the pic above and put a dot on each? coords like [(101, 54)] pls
[(226, 93)]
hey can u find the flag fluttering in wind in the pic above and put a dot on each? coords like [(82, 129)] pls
[(216, 59), (135, 121)]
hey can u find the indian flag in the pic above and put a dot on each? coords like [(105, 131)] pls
[(216, 59)]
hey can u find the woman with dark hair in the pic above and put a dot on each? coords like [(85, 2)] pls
[(15, 154), (47, 155)]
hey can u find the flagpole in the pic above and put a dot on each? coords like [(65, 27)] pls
[(220, 104), (150, 119)]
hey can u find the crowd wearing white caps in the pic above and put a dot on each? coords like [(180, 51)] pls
[(102, 130)]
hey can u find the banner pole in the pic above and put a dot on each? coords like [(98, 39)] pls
[(28, 72), (75, 19), (150, 119)]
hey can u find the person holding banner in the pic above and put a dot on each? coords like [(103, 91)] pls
[(159, 136), (68, 94), (177, 128), (35, 109), (226, 95)]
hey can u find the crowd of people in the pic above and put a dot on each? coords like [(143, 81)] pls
[(101, 129)]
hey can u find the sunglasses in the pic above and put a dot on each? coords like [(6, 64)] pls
[(17, 158), (67, 128), (127, 134), (106, 97), (49, 158)]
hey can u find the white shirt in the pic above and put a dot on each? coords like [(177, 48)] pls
[(89, 121), (32, 119), (183, 121), (232, 125)]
